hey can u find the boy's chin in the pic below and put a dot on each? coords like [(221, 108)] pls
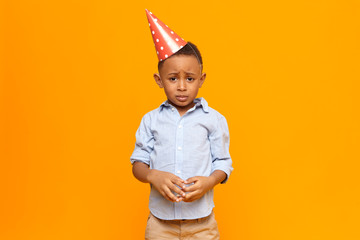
[(183, 103), (186, 107)]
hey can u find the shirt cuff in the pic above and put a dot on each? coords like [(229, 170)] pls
[(143, 160)]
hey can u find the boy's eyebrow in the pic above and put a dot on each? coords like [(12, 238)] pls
[(188, 73), (176, 73), (173, 73)]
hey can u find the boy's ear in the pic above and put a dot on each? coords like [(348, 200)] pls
[(158, 80), (202, 79)]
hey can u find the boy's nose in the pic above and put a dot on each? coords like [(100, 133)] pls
[(182, 85)]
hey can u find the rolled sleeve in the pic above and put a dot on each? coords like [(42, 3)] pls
[(144, 142), (219, 145)]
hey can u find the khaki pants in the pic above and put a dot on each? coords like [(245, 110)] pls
[(202, 228)]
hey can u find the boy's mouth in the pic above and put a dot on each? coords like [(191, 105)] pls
[(182, 98)]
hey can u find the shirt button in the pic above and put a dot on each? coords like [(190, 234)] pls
[(178, 171), (179, 148), (180, 126), (172, 109)]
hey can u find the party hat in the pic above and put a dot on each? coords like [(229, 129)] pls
[(166, 41)]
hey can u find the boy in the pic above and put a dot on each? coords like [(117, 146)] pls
[(182, 148)]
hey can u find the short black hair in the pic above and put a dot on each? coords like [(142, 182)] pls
[(189, 49)]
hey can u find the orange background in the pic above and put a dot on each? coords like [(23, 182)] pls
[(76, 78)]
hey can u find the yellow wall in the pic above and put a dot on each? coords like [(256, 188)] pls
[(76, 78)]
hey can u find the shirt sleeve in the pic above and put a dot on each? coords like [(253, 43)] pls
[(219, 145), (144, 142)]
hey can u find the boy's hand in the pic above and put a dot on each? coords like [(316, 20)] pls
[(167, 183), (199, 187)]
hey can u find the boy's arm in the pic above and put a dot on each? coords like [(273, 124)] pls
[(166, 183), (219, 147), (221, 164)]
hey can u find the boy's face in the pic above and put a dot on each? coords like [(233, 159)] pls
[(181, 78)]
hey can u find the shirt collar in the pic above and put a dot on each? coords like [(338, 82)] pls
[(199, 102)]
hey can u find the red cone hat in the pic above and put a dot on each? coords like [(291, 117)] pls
[(166, 41)]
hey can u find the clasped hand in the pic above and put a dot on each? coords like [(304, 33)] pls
[(175, 189)]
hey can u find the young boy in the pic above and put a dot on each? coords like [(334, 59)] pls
[(182, 148)]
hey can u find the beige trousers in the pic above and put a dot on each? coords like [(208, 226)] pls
[(202, 228)]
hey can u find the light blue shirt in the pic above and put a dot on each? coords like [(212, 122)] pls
[(195, 144)]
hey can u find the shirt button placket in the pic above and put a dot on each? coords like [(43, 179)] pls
[(179, 159)]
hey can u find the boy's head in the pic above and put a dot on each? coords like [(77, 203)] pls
[(189, 49), (181, 77)]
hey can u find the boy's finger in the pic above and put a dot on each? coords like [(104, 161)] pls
[(191, 188), (177, 190), (191, 180), (179, 199), (170, 195), (166, 197), (189, 197), (179, 182), (177, 178)]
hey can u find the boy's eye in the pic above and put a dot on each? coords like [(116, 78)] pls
[(172, 79), (190, 79)]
